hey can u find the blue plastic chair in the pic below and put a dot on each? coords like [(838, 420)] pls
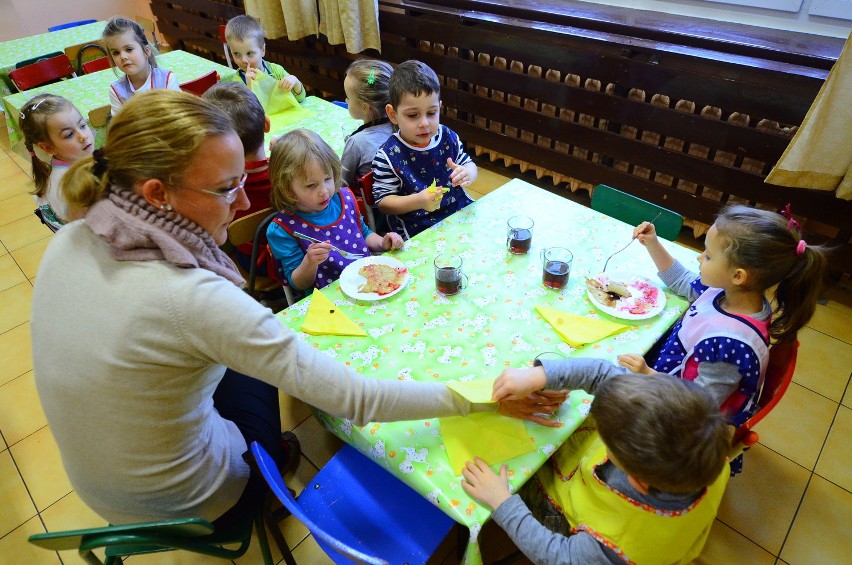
[(358, 512), (70, 24), (340, 103)]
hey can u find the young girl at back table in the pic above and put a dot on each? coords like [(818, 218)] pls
[(722, 342), (367, 94), (129, 51), (55, 126), (305, 176)]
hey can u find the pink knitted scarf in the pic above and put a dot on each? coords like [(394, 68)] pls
[(137, 231)]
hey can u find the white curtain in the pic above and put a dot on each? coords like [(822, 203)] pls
[(353, 22)]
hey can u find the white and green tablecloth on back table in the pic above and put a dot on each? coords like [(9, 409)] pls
[(490, 325), (91, 91), (16, 50), (330, 121)]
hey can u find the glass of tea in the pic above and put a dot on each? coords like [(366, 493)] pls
[(556, 266), (449, 279), (519, 234)]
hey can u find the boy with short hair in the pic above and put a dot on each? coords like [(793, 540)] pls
[(250, 123), (641, 483), (244, 35), (420, 172)]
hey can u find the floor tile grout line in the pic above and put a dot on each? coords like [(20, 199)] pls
[(29, 494), (767, 550), (808, 484), (806, 387), (13, 327)]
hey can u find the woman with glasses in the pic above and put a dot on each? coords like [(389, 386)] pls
[(142, 337)]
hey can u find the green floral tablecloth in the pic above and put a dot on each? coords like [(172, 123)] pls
[(16, 50), (330, 121), (490, 325), (91, 91)]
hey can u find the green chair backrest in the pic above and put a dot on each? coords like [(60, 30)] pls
[(633, 210)]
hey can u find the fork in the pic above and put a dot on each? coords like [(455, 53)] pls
[(628, 245), (345, 254)]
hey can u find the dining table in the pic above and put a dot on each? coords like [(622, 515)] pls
[(23, 48), (90, 91), (491, 324), (332, 122)]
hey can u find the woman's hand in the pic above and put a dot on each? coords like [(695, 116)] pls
[(537, 407), (636, 364), (482, 484), (317, 253), (392, 240), (515, 384)]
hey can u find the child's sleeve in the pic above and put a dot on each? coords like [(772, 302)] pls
[(541, 545), (172, 82), (349, 162), (278, 72), (461, 158), (114, 102), (579, 373), (683, 281), (385, 181), (286, 251)]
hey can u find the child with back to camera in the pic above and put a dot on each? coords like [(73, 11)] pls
[(641, 482), (367, 94), (421, 153), (305, 174), (722, 342), (250, 123), (54, 125), (244, 35), (129, 51)]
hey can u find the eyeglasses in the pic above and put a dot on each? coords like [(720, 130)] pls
[(227, 194)]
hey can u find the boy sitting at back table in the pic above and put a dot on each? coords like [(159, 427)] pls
[(250, 123), (423, 153), (641, 482), (244, 35)]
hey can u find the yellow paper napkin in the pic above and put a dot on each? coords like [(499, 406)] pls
[(280, 105), (579, 330), (486, 435), (478, 391), (324, 318)]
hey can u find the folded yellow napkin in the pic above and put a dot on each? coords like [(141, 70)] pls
[(478, 391), (579, 330), (324, 318), (486, 435), (280, 105)]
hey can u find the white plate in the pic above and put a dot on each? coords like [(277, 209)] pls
[(653, 299), (351, 281)]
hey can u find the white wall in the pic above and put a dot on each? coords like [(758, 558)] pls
[(798, 20), (19, 18)]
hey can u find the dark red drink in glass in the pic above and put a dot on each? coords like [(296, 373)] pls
[(556, 274), (448, 281)]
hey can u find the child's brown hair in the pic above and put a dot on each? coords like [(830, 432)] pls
[(412, 77), (118, 25), (769, 247), (245, 110), (289, 160), (33, 124), (663, 431), (371, 78)]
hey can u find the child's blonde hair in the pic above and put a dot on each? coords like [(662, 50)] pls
[(117, 26), (663, 431), (371, 78), (141, 145), (244, 27), (33, 124), (289, 160), (769, 247)]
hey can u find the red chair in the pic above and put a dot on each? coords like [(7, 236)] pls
[(225, 45), (95, 65), (42, 72), (779, 374), (200, 85), (363, 190)]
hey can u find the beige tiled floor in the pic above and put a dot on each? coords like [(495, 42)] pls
[(793, 501)]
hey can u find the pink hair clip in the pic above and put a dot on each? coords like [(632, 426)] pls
[(791, 221), (800, 248)]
